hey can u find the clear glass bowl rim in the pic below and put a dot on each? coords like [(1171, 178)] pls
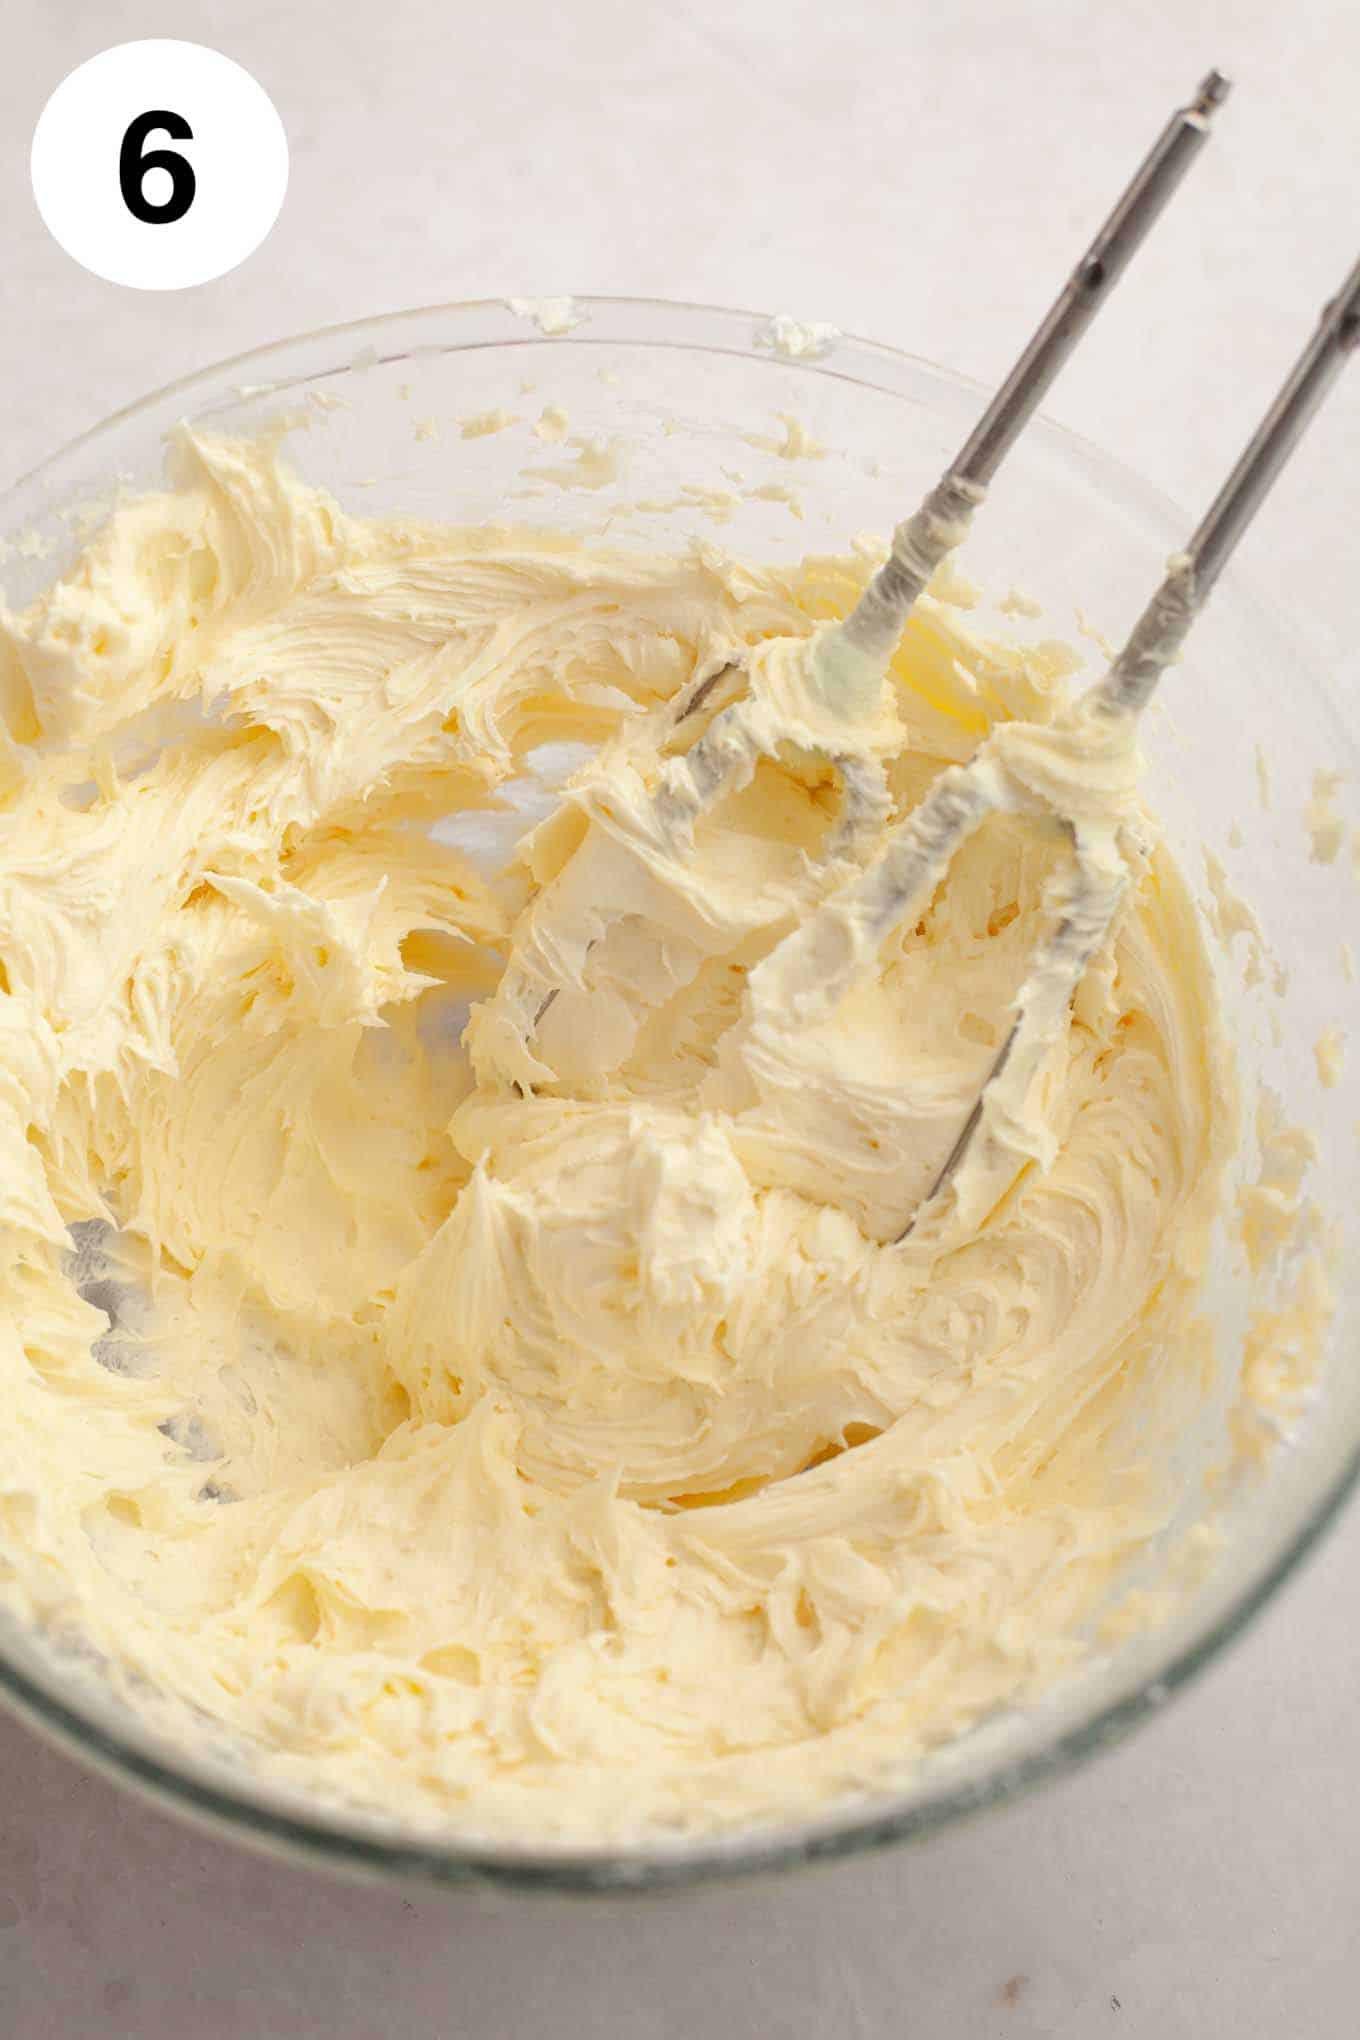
[(324, 1835)]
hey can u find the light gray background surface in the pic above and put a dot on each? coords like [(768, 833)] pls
[(917, 173)]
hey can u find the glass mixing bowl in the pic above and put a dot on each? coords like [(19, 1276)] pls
[(680, 413)]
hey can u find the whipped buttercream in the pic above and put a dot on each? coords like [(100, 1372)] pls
[(548, 1438)]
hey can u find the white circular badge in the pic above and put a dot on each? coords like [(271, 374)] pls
[(159, 164)]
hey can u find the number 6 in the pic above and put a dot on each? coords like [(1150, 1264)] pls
[(133, 166)]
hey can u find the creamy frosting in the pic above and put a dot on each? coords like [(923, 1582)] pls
[(514, 1411)]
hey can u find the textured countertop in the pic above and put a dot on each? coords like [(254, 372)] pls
[(920, 175)]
